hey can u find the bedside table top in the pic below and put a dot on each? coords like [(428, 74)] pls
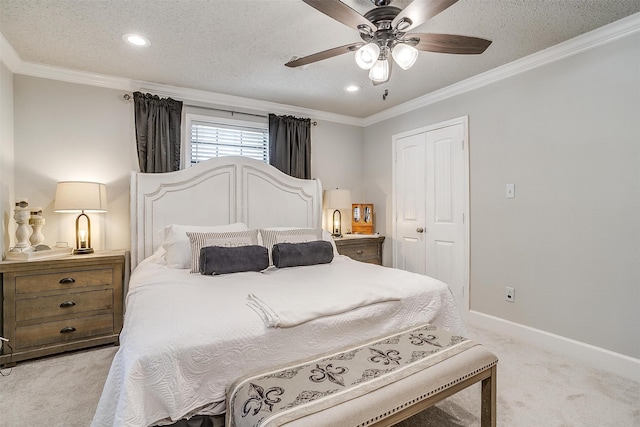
[(70, 260), (358, 237)]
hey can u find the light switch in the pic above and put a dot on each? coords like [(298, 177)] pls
[(511, 191)]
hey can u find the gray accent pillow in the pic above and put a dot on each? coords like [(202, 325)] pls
[(295, 235), (298, 254), (225, 260), (229, 239)]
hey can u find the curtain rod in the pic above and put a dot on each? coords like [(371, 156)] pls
[(128, 97)]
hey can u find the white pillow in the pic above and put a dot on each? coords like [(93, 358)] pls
[(329, 238), (326, 236), (228, 239), (176, 242), (293, 235)]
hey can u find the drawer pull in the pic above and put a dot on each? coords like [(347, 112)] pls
[(67, 280), (67, 304), (359, 251), (67, 330)]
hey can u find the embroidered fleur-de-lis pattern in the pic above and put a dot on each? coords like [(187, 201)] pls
[(328, 372), (419, 339), (385, 357), (261, 399)]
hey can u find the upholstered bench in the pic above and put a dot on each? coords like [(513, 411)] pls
[(379, 383)]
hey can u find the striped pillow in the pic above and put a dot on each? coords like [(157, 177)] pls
[(297, 235), (229, 239)]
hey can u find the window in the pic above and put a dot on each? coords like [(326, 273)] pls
[(217, 137)]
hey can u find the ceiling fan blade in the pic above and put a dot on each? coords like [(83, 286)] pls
[(419, 11), (450, 43), (340, 12), (325, 54)]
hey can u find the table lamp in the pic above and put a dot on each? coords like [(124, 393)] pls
[(77, 196), (337, 199)]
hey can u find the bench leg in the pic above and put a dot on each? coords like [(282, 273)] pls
[(488, 415)]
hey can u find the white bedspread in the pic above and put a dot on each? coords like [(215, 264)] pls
[(187, 336), (323, 293)]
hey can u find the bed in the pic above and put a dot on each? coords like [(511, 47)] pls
[(187, 336)]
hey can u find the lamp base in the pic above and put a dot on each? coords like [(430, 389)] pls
[(83, 251)]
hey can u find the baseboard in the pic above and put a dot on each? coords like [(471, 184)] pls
[(599, 358)]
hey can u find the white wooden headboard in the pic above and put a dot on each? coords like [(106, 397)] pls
[(219, 191)]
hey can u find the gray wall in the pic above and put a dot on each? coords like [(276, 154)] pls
[(567, 135), (73, 132), (67, 131), (6, 154)]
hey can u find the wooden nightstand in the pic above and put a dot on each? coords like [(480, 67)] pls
[(56, 305), (365, 249)]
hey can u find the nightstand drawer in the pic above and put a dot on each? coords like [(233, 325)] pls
[(361, 252), (364, 249), (63, 304), (63, 330), (63, 280)]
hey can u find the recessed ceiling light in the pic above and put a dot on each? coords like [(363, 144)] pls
[(136, 39), (352, 88)]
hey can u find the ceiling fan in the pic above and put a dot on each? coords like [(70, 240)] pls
[(383, 31)]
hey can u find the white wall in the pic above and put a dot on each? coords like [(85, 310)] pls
[(567, 135), (66, 131), (6, 156)]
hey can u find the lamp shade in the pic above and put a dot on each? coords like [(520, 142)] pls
[(404, 55), (337, 199), (76, 196), (367, 55), (380, 71)]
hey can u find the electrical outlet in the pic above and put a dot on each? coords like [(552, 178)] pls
[(511, 294)]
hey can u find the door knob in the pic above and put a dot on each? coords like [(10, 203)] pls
[(420, 230)]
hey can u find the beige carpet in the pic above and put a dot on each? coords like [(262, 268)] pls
[(535, 388)]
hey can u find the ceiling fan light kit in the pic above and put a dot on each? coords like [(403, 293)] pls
[(404, 55), (380, 71), (367, 56), (383, 31)]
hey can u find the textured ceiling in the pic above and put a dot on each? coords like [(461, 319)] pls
[(239, 47)]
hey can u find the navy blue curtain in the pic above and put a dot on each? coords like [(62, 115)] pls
[(290, 145), (157, 132)]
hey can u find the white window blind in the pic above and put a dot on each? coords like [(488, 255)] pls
[(210, 139)]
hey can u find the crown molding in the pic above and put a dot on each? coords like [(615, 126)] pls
[(593, 39), (204, 98), (600, 36), (8, 55), (190, 96)]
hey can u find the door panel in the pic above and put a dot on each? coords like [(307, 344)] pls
[(431, 194), (445, 204), (443, 198), (444, 261), (409, 248)]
